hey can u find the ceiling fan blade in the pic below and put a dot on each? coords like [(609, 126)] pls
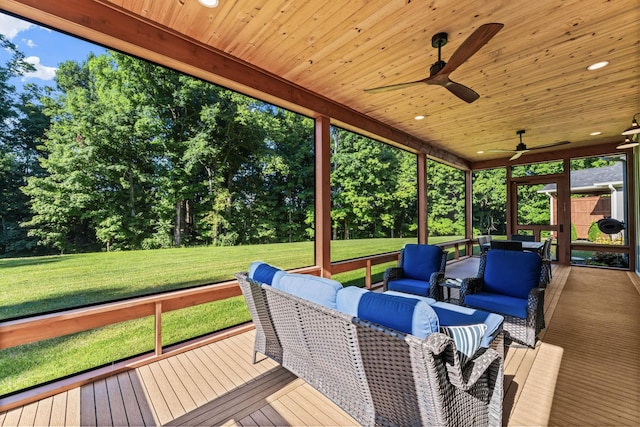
[(500, 150), (461, 91), (395, 87), (553, 144), (518, 154), (471, 45)]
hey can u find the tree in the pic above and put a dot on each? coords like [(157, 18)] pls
[(446, 201), (21, 125), (373, 188), (489, 201)]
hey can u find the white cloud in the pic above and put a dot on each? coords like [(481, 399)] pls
[(10, 26), (29, 43), (42, 71)]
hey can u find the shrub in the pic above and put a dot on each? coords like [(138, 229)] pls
[(594, 232), (574, 232)]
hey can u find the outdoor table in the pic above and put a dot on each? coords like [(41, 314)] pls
[(450, 283), (526, 246)]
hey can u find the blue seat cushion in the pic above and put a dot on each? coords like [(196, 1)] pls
[(409, 286), (265, 273), (348, 299), (455, 315), (496, 303), (408, 315), (316, 289), (511, 273), (420, 261)]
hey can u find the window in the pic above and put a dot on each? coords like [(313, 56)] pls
[(122, 178), (445, 202), (599, 191)]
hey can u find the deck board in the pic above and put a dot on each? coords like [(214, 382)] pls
[(219, 385)]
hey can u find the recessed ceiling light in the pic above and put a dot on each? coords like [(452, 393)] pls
[(595, 133), (480, 152), (598, 65), (419, 117), (209, 3)]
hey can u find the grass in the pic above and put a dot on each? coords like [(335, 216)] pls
[(43, 284)]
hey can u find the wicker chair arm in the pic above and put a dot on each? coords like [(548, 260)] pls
[(465, 377), (435, 290), (470, 285), (391, 273), (535, 299)]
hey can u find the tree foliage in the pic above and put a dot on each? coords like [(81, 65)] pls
[(445, 199)]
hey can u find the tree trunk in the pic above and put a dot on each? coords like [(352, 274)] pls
[(177, 229), (131, 194)]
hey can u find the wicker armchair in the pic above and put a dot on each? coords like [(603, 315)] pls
[(546, 276), (420, 269), (508, 283)]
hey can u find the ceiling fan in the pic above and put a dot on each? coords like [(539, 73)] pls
[(440, 70), (521, 148)]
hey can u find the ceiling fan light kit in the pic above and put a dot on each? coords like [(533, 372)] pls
[(629, 143), (634, 129), (440, 70)]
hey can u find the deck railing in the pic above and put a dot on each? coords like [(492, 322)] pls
[(38, 328)]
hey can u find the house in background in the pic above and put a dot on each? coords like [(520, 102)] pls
[(596, 193)]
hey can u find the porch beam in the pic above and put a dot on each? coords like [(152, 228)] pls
[(323, 195), (422, 198)]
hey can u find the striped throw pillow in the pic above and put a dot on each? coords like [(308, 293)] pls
[(467, 339)]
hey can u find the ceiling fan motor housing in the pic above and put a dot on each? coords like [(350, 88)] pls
[(436, 67)]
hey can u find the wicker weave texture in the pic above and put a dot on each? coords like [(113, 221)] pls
[(266, 341)]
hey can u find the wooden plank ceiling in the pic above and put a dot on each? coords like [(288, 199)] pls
[(532, 75)]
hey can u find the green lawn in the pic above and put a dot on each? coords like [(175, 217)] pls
[(40, 284)]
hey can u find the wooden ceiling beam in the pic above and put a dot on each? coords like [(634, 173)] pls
[(548, 156)]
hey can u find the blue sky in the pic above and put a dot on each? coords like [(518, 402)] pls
[(43, 48)]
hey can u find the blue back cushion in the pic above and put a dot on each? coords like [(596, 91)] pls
[(316, 289), (348, 300), (265, 273), (421, 260), (408, 315), (512, 273)]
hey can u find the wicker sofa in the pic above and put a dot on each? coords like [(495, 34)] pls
[(348, 359)]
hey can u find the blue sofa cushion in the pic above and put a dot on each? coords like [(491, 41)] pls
[(348, 299), (419, 261), (467, 339), (409, 286), (265, 273), (316, 289), (503, 304), (428, 300), (455, 315), (408, 315), (512, 273)]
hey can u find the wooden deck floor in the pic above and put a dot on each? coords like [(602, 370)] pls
[(218, 385)]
